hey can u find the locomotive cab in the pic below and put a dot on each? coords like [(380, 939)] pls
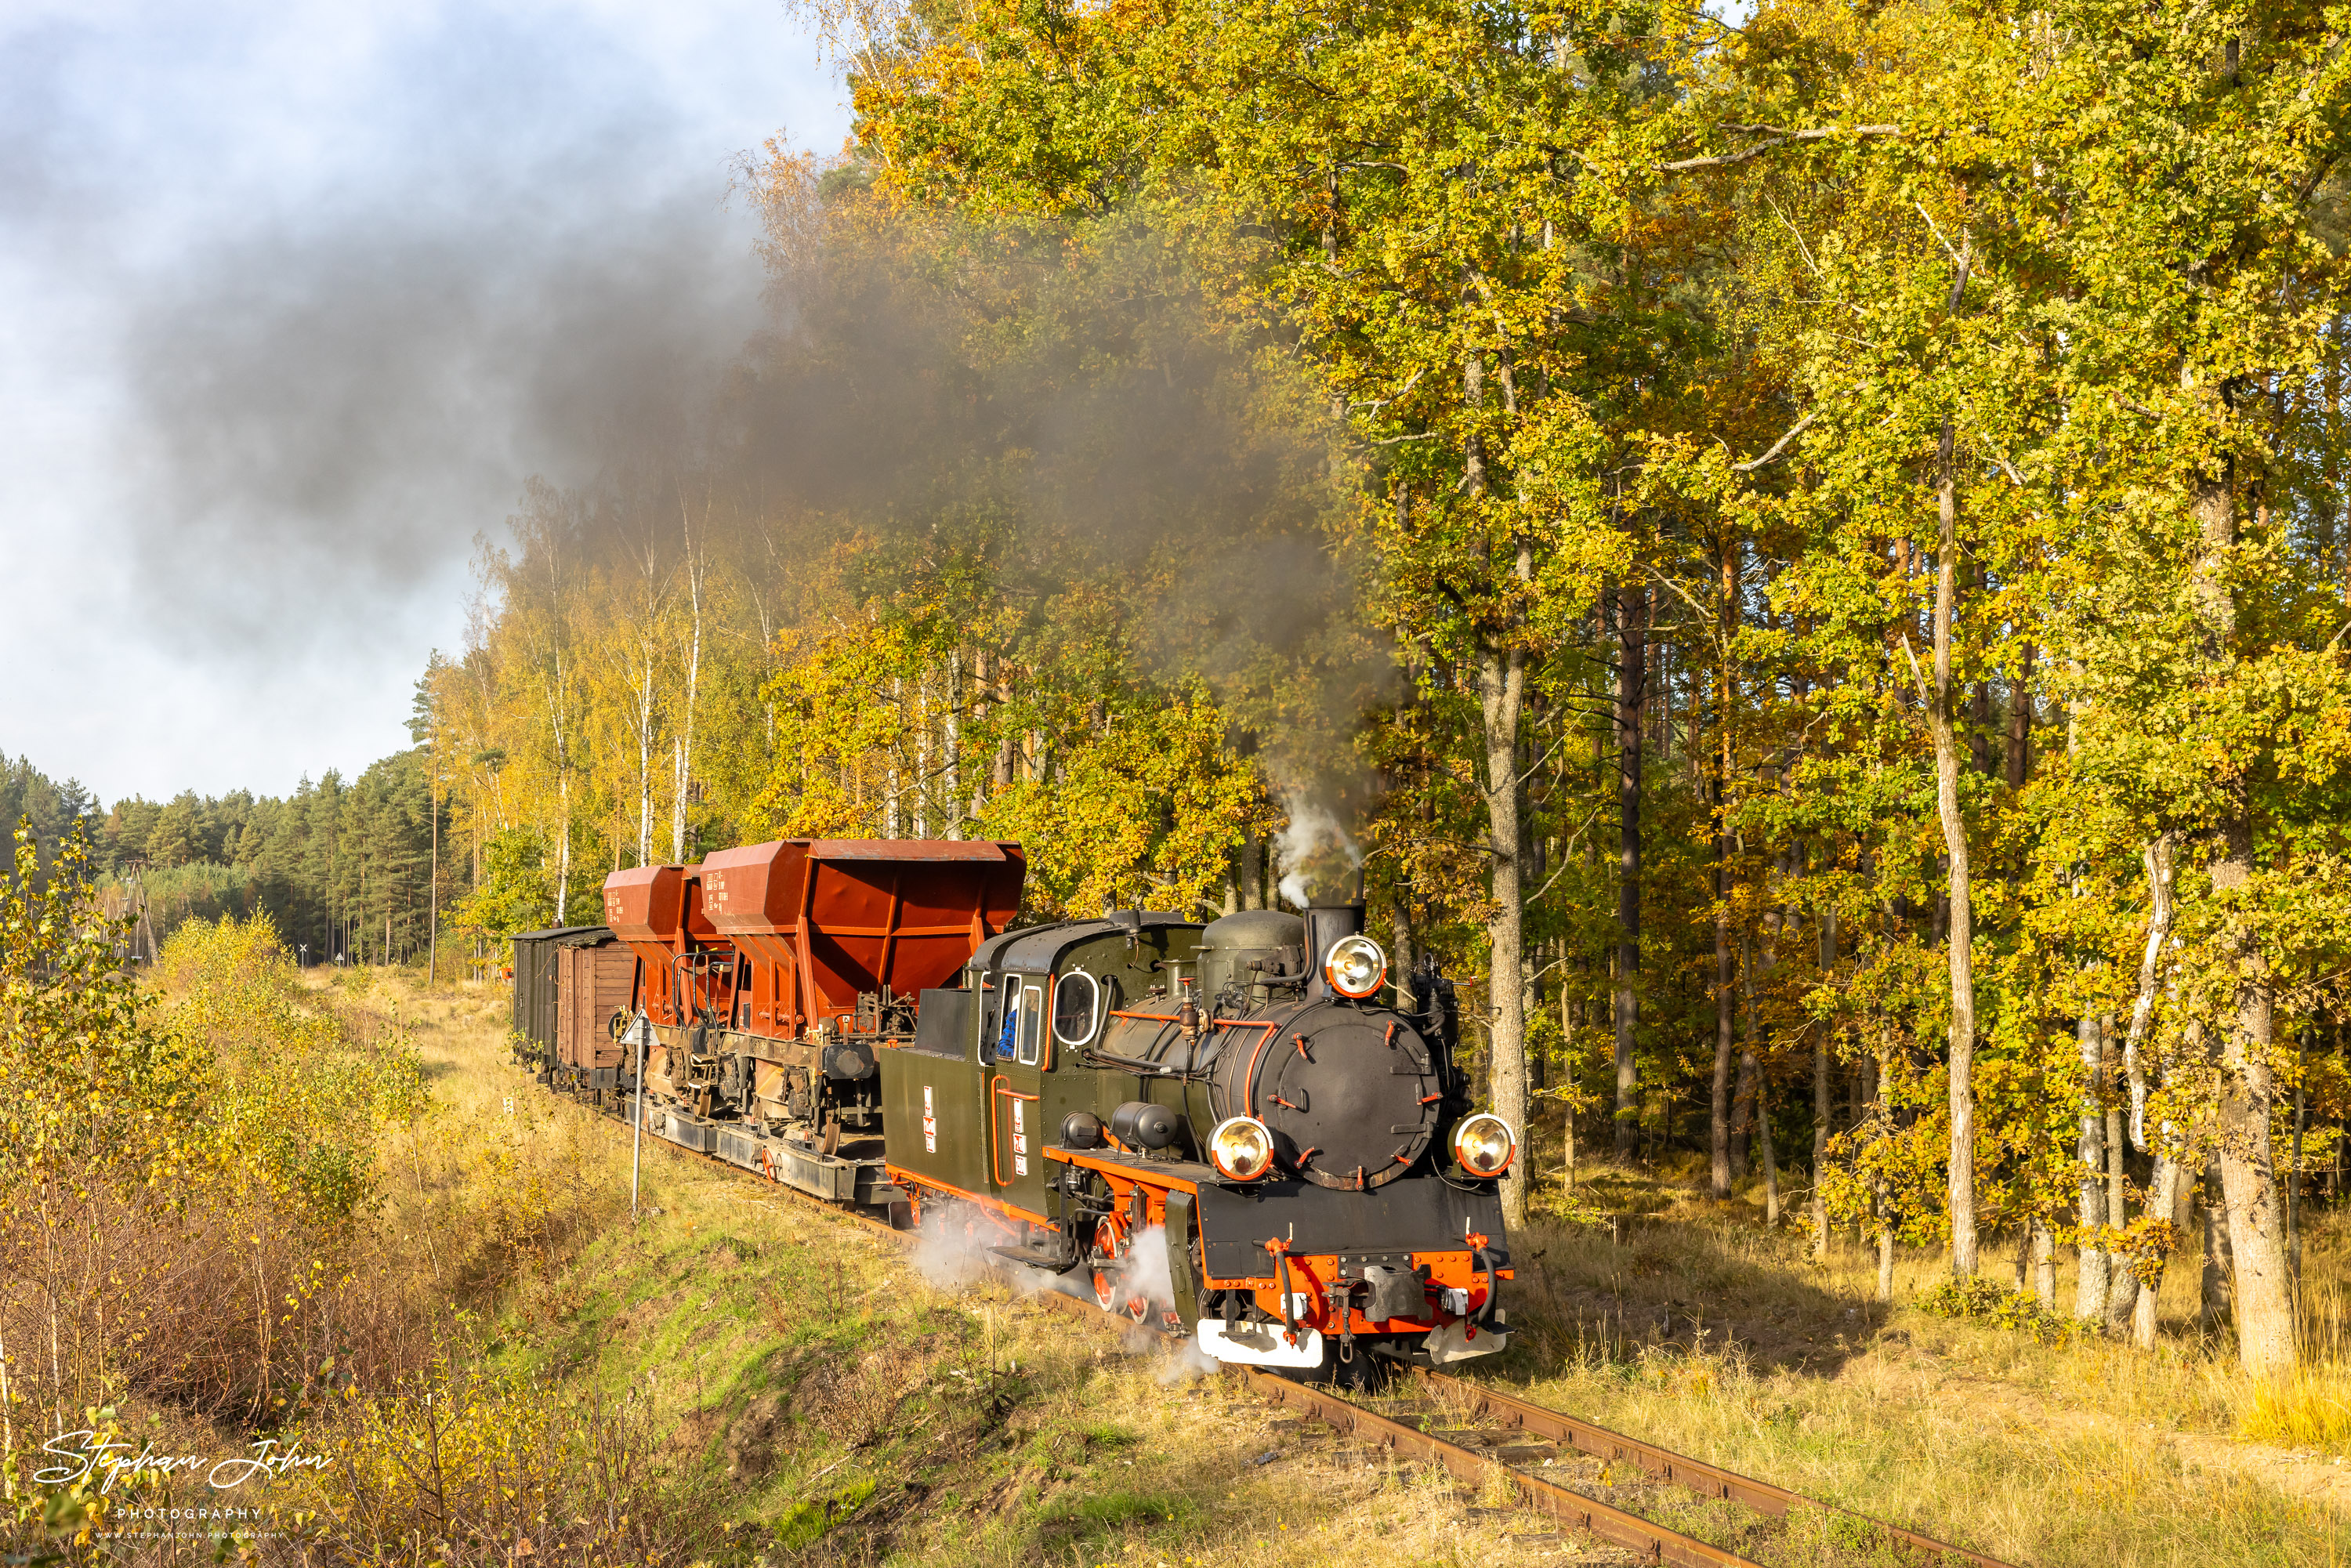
[(1016, 1052)]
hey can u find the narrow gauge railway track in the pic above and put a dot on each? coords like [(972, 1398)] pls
[(1602, 1520), (1480, 1401)]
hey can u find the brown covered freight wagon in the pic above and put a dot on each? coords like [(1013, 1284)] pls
[(596, 988), (537, 990)]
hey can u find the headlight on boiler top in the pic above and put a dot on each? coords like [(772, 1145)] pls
[(1355, 967), (1242, 1148), (1485, 1144)]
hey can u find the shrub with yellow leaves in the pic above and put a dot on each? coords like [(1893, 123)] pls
[(464, 1462)]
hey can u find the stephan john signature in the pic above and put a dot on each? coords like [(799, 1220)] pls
[(88, 1452)]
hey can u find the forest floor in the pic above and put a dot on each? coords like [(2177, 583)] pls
[(830, 1397)]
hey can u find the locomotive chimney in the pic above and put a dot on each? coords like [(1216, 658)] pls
[(1326, 923)]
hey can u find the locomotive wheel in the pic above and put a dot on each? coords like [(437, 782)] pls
[(1139, 1308), (1106, 1290)]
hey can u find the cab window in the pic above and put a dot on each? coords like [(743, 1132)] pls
[(1032, 1010), (1077, 997), (999, 1016)]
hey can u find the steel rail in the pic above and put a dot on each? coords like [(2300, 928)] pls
[(1594, 1518), (1664, 1464), (1600, 1520)]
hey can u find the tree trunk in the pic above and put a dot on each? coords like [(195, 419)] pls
[(2158, 858), (2263, 1299), (1742, 1097), (1719, 1104), (2294, 1186), (2168, 1179), (1822, 1108), (1751, 1092), (563, 850), (2212, 1286), (1885, 1250), (2090, 1284), (980, 691), (1718, 1107), (2122, 1289), (434, 872), (694, 571), (645, 762), (1008, 749), (953, 744), (922, 811), (2163, 1199), (2020, 720), (1960, 942), (1632, 631), (1501, 682)]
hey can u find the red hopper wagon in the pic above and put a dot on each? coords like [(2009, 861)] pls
[(771, 975)]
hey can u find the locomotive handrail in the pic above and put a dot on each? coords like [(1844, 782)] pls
[(995, 1156), (1133, 1063), (1249, 1079)]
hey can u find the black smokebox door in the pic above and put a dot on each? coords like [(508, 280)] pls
[(1351, 1095)]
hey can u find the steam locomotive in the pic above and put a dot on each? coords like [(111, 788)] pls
[(1241, 1131)]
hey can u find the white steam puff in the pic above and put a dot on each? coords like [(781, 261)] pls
[(951, 1259), (1147, 1269), (1314, 854)]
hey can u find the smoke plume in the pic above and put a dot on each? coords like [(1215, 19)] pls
[(1316, 855)]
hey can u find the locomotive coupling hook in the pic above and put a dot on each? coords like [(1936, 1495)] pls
[(1280, 1250)]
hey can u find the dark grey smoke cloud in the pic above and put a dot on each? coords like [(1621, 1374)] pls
[(332, 397), (340, 410), (297, 299), (1119, 436)]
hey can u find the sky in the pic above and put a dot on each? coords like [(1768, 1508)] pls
[(294, 300)]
